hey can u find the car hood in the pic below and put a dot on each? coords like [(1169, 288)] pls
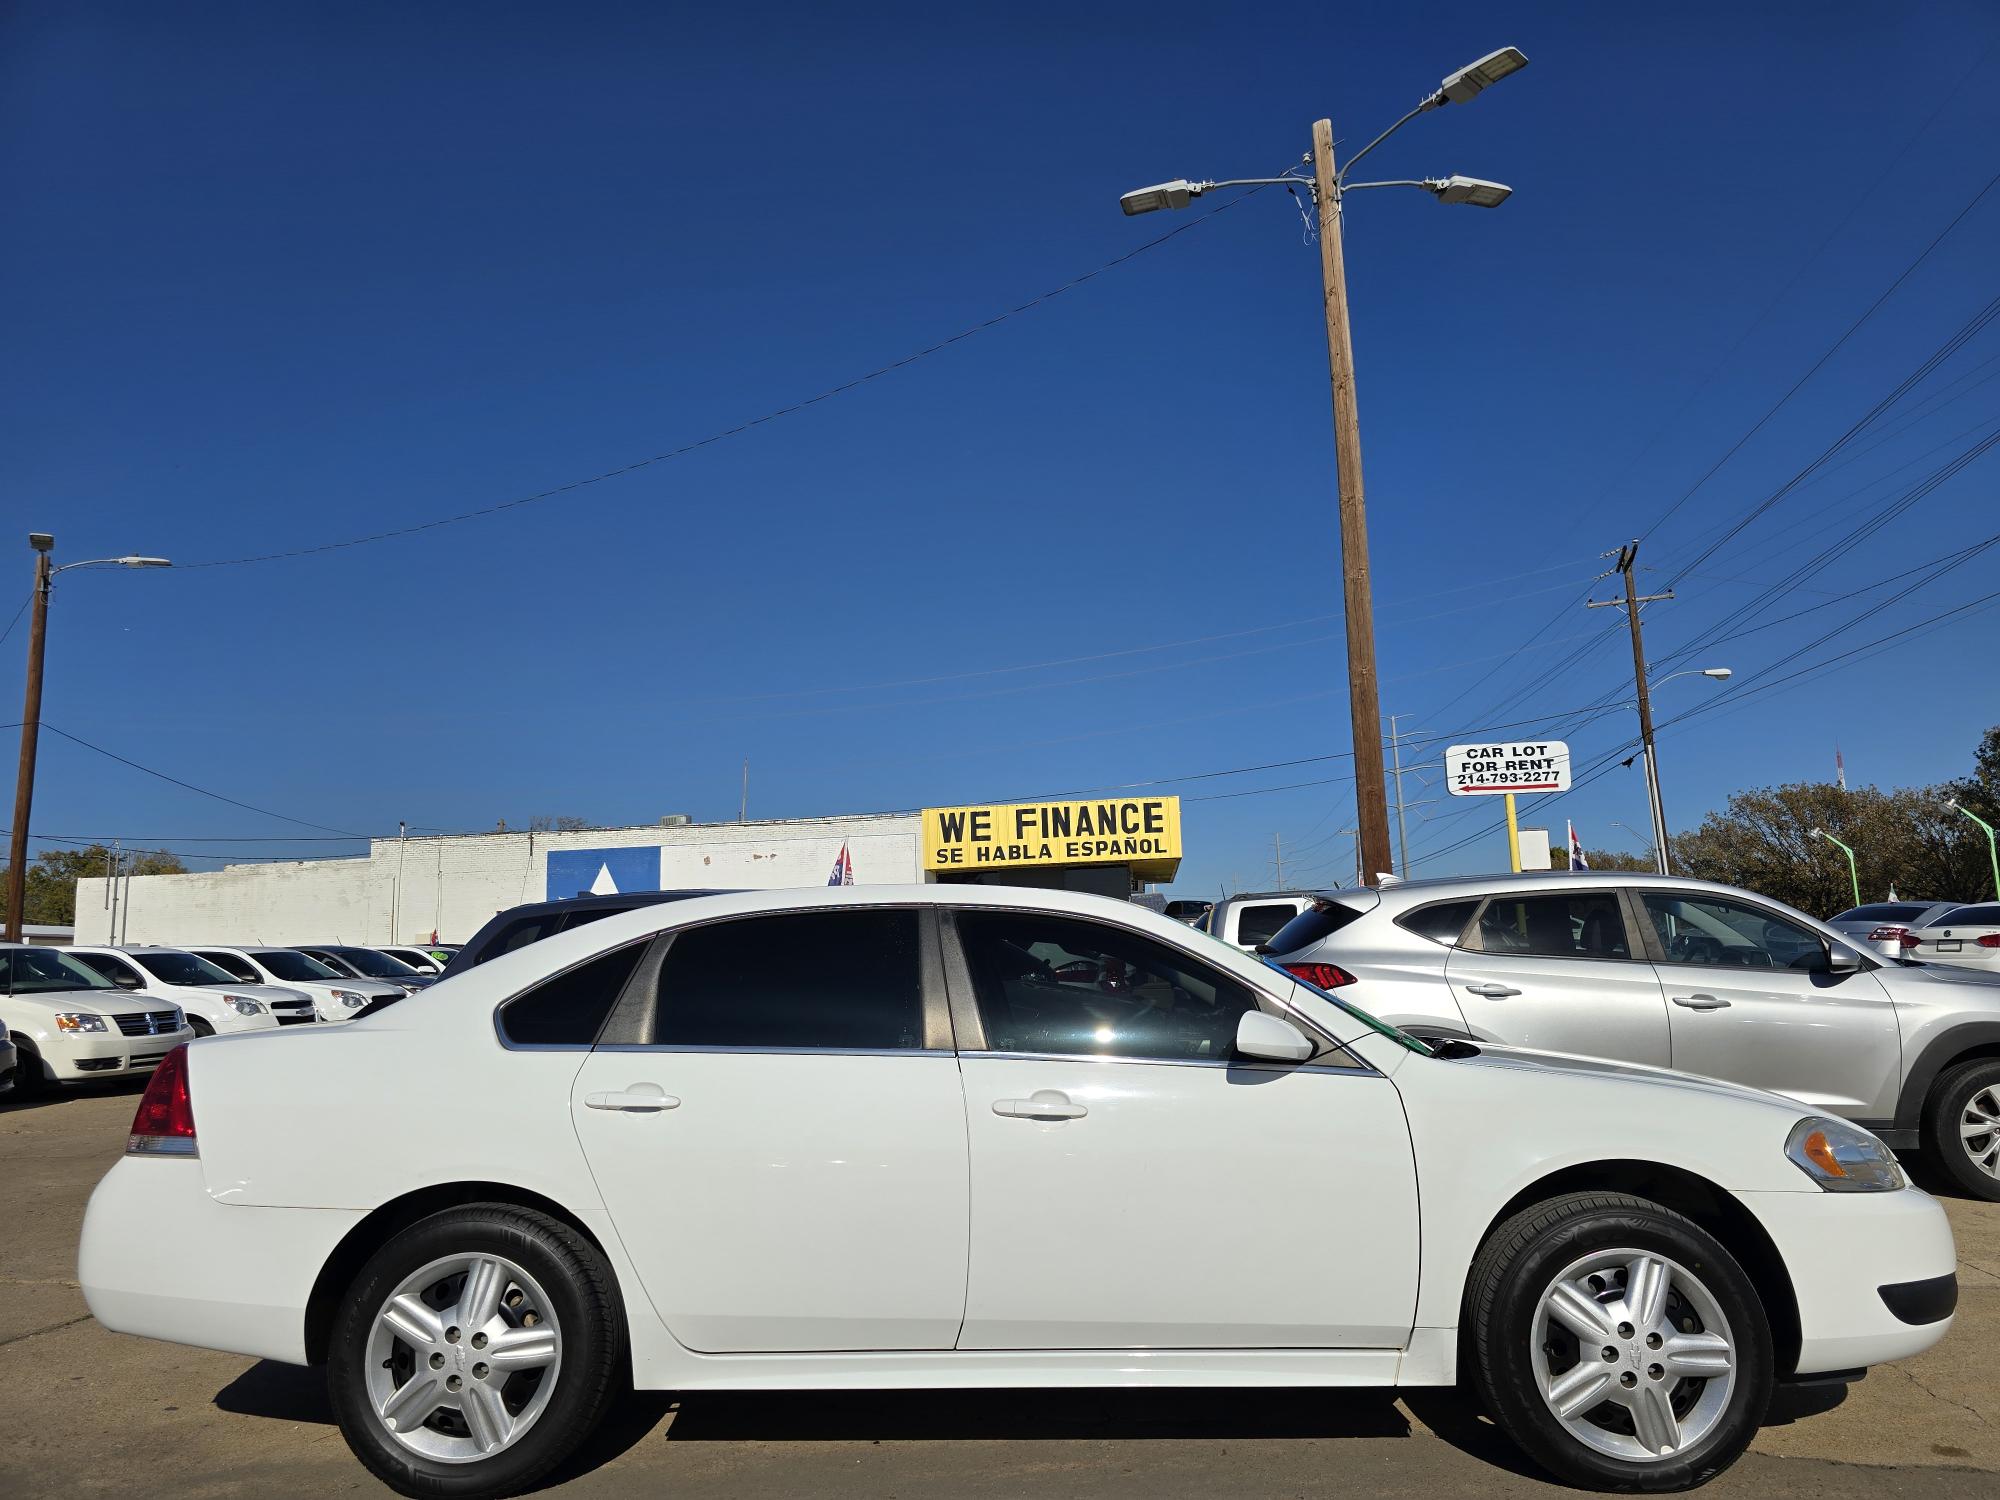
[(100, 1002), (1564, 1062)]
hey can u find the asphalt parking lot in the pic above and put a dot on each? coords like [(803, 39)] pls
[(85, 1412)]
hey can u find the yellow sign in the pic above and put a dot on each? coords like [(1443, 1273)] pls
[(1143, 832)]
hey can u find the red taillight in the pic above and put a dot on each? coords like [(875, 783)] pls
[(1907, 939), (1891, 935), (164, 1125), (1991, 940), (1321, 976)]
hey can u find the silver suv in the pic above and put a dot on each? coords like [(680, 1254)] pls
[(1683, 974)]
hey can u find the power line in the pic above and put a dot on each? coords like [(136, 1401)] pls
[(742, 427)]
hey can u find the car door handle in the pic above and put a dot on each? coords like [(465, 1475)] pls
[(640, 1099), (1701, 1002), (1047, 1104), (1491, 991)]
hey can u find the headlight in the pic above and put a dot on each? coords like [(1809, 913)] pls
[(349, 999), (76, 1021), (1842, 1158), (243, 1005)]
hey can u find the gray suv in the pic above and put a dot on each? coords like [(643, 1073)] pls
[(1683, 974)]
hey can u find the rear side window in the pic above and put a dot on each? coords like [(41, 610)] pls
[(1319, 921), (1259, 924), (1566, 924), (1442, 923), (570, 1009), (846, 980)]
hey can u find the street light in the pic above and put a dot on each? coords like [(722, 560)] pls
[(1853, 874), (31, 712), (1327, 188), (1992, 847)]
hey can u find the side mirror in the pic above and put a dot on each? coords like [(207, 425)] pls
[(1841, 959), (126, 981), (1272, 1038)]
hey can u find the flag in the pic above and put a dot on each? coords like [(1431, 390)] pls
[(1577, 859), (1892, 890), (843, 869)]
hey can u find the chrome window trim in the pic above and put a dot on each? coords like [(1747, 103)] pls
[(1361, 1068), (702, 1051)]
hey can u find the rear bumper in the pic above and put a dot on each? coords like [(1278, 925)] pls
[(159, 1257), (1870, 1272)]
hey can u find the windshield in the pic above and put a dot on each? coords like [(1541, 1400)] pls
[(43, 971), (286, 964), (181, 968), (374, 965)]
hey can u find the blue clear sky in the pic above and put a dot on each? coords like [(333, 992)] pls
[(280, 275)]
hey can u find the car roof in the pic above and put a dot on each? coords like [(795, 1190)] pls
[(614, 901)]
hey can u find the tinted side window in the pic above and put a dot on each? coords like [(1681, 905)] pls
[(1565, 924), (1442, 923), (837, 979), (570, 1008), (1057, 984), (236, 968), (1320, 920), (1720, 933), (1259, 924)]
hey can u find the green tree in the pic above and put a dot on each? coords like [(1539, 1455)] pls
[(1603, 859), (50, 898)]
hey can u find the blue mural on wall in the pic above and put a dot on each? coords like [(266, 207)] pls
[(600, 872)]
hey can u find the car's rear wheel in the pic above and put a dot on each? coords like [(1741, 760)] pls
[(1962, 1126), (1618, 1343), (474, 1352)]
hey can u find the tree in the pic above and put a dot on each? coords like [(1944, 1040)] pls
[(557, 823), (50, 898), (1603, 859)]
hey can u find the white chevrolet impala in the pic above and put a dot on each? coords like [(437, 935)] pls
[(957, 1136)]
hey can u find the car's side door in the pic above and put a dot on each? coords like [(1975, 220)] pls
[(1752, 999), (774, 1119), (1136, 1185), (1561, 971)]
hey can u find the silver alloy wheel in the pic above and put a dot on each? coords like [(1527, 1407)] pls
[(1633, 1355), (1979, 1130), (462, 1358)]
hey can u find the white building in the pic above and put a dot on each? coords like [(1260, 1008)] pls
[(403, 890)]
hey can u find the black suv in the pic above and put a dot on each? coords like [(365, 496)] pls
[(519, 926)]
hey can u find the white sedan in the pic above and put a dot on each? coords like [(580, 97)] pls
[(966, 1136), (1965, 936)]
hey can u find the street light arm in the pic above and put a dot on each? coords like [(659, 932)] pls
[(1430, 103)]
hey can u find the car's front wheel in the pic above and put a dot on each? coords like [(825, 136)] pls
[(1962, 1126), (1618, 1343), (474, 1352)]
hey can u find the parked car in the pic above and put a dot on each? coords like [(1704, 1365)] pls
[(1254, 917), (1967, 936), (68, 1024), (1188, 910), (423, 960), (336, 997), (1089, 1133), (212, 999), (518, 926), (1886, 926), (1688, 974), (352, 961)]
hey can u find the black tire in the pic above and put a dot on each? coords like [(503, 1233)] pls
[(200, 1027), (30, 1082), (1944, 1109), (584, 1298), (1509, 1276)]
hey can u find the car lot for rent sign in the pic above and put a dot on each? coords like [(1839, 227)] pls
[(1492, 769)]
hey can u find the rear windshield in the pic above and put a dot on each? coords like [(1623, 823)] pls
[(1884, 911), (1316, 923), (1970, 916)]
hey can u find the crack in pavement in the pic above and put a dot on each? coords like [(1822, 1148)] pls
[(1974, 1412), (35, 1333)]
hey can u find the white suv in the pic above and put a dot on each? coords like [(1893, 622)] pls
[(69, 1024), (213, 999), (336, 998)]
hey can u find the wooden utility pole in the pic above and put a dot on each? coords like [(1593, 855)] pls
[(31, 726), (1628, 556), (1371, 800)]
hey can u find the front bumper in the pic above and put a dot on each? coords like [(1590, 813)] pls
[(82, 1056), (161, 1258), (1842, 1250)]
